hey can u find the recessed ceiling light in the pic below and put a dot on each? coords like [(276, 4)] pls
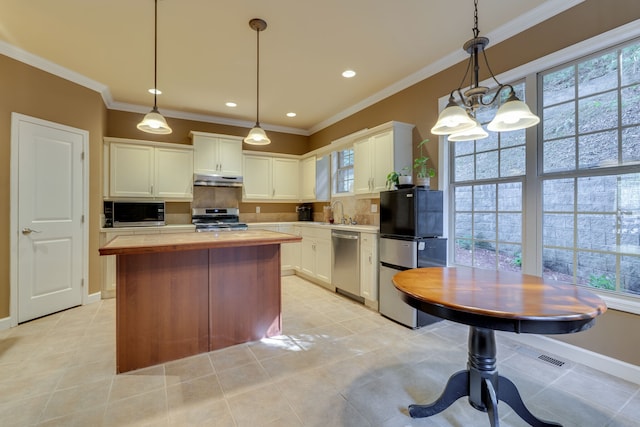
[(292, 114), (231, 104), (155, 91), (348, 74)]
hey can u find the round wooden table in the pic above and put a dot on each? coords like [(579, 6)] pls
[(487, 301)]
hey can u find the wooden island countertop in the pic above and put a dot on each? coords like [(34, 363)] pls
[(150, 243), (182, 294)]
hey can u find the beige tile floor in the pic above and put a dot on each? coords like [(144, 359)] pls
[(338, 364)]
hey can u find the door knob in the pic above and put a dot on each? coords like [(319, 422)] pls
[(28, 230)]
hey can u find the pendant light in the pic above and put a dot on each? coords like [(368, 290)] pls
[(457, 119), (257, 135), (153, 121)]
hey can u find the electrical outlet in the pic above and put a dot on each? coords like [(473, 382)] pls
[(257, 209), (374, 208)]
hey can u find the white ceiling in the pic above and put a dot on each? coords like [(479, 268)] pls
[(207, 51)]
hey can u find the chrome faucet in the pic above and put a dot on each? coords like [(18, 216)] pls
[(333, 205)]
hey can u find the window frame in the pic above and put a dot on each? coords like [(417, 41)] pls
[(532, 203)]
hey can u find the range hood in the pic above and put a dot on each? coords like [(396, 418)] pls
[(214, 180)]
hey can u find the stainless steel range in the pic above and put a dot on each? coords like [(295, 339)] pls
[(217, 219)]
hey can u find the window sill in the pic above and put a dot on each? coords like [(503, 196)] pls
[(620, 303)]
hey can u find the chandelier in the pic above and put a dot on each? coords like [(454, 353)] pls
[(458, 118)]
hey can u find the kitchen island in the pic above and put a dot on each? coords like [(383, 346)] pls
[(187, 293)]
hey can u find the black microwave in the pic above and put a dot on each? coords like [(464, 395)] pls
[(133, 213)]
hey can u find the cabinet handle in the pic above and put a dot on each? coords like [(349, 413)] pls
[(369, 259), (151, 188), (273, 192)]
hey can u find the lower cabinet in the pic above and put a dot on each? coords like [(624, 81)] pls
[(108, 289), (316, 253), (289, 252), (369, 268)]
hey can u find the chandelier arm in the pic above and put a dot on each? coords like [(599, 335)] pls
[(495, 96)]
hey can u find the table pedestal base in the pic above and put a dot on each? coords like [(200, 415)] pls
[(482, 384)]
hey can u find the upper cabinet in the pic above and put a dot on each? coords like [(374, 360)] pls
[(217, 154), (379, 151), (270, 178), (145, 169), (308, 178), (315, 173)]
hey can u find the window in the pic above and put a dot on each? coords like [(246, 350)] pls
[(487, 194), (343, 171), (583, 202), (591, 185)]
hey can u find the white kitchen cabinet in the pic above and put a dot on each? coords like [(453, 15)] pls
[(323, 179), (380, 150), (217, 154), (316, 253), (270, 178), (144, 169), (286, 182), (132, 170), (108, 262), (308, 178), (290, 252), (257, 177), (369, 267), (173, 176)]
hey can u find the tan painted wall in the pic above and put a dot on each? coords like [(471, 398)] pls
[(32, 92)]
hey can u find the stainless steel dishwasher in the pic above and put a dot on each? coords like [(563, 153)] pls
[(345, 268)]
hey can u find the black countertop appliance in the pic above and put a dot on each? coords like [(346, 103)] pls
[(305, 212)]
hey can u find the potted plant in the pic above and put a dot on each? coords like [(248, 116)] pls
[(394, 179), (423, 173)]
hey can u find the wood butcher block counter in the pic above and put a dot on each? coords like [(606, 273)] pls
[(187, 293)]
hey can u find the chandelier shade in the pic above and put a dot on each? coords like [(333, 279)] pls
[(153, 121), (513, 115), (476, 132), (457, 119), (257, 135)]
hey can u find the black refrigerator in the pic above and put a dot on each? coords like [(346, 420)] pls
[(411, 228)]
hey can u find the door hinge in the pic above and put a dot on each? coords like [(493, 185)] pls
[(82, 219), (82, 156), (82, 283)]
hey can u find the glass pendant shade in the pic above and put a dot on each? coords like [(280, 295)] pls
[(154, 122), (451, 120), (513, 115), (476, 132), (257, 136)]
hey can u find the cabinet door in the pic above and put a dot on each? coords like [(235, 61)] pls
[(174, 173), (308, 256), (131, 170), (323, 179), (323, 259), (382, 160), (369, 267), (257, 177), (205, 154), (286, 180), (230, 156), (308, 175), (362, 166)]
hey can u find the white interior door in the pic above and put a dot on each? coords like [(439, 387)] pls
[(49, 226)]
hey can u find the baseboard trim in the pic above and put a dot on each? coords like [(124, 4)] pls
[(609, 365), (5, 323), (91, 298)]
